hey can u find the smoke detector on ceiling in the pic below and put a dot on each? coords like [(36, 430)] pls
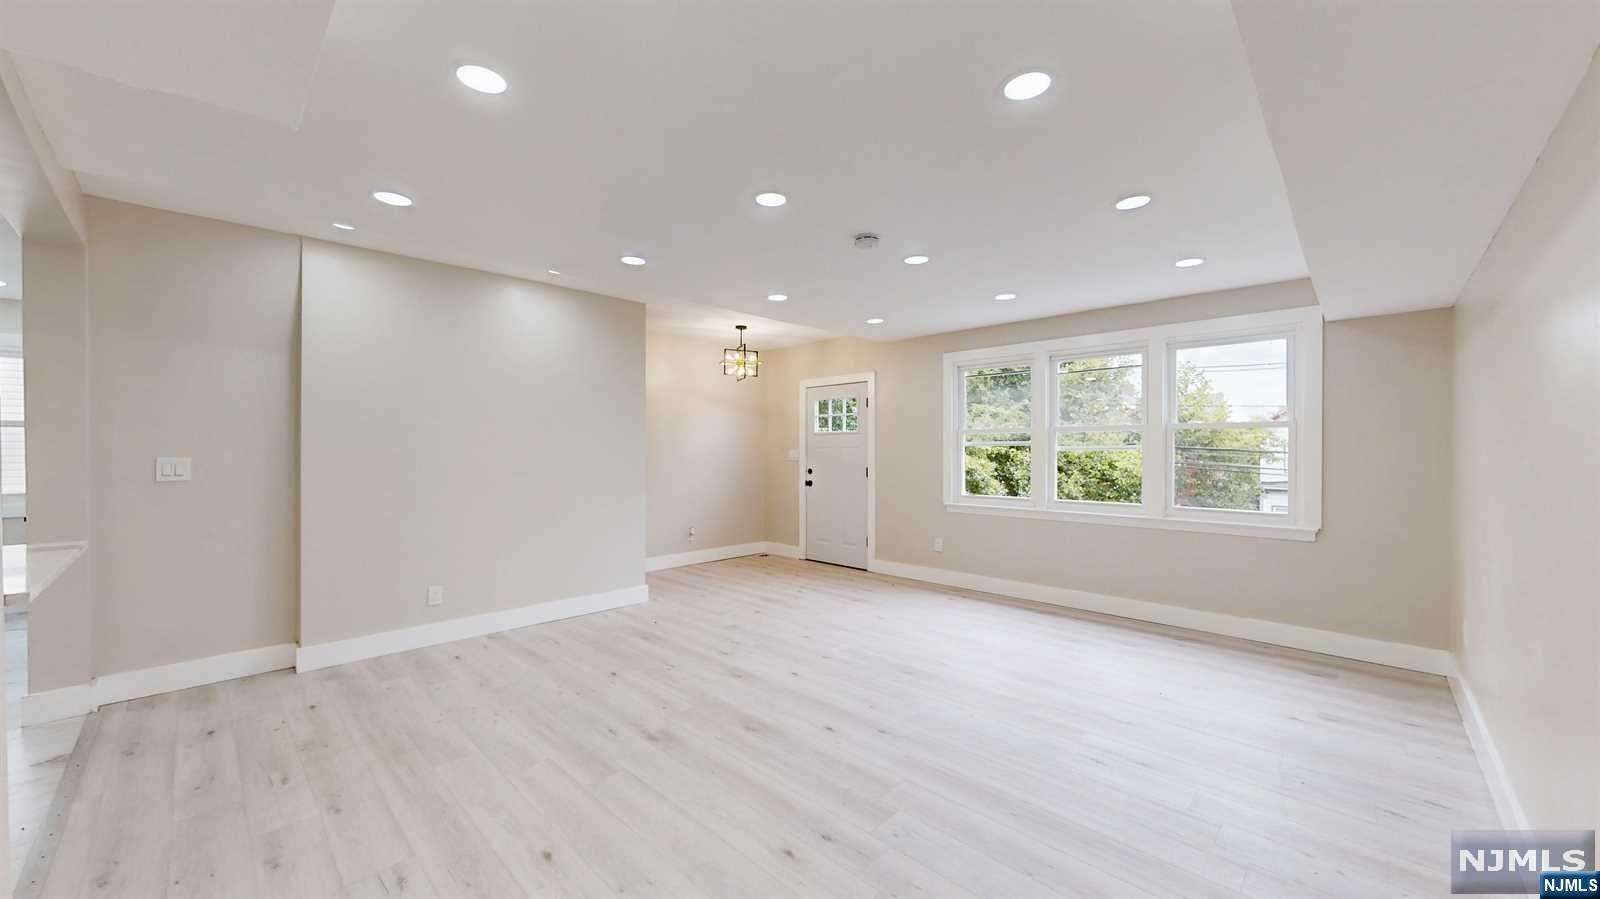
[(866, 240)]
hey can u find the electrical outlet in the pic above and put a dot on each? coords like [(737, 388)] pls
[(938, 544), (436, 595), (691, 533)]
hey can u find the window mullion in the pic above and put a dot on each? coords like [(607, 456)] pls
[(1044, 415), (1158, 406)]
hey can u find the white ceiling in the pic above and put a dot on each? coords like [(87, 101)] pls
[(1405, 130), (647, 128), (256, 56), (718, 324)]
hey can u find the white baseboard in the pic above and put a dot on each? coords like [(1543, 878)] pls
[(354, 649), (697, 556), (1366, 649), (718, 553), (1483, 746), (54, 705), (194, 673), (81, 699)]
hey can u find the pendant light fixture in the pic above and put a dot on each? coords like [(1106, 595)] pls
[(741, 361)]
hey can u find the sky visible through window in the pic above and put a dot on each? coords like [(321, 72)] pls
[(1250, 377)]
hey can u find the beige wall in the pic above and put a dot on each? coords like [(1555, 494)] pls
[(56, 334), (1379, 568), (705, 439), (194, 334), (475, 445), (467, 430), (1527, 442)]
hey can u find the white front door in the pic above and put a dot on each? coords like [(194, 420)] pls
[(836, 474)]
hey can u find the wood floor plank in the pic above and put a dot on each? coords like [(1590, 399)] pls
[(133, 824), (295, 861), (543, 862), (271, 779), (401, 880), (450, 848), (362, 832), (210, 853), (768, 727)]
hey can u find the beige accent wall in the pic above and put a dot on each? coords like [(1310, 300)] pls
[(1527, 447), (194, 332), (467, 430), (56, 335), (1380, 567), (705, 448)]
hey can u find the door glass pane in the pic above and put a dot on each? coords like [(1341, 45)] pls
[(998, 397), (1233, 468), (1102, 390), (1234, 382), (1100, 467)]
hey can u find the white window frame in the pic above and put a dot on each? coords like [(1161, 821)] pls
[(1302, 328), (962, 431), (1055, 427)]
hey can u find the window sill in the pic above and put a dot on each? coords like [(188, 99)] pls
[(1119, 519)]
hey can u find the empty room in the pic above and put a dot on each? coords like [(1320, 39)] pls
[(800, 448)]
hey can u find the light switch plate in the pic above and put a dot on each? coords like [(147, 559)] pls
[(174, 468), (436, 595)]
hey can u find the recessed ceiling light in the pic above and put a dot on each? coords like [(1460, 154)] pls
[(777, 297), (771, 198), (391, 198), (343, 227), (1027, 86), (1134, 202), (633, 260), (916, 260), (2, 283), (1005, 296), (551, 271), (1189, 262), (482, 80), (874, 321)]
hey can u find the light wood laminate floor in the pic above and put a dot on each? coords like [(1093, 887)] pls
[(766, 727), (36, 756)]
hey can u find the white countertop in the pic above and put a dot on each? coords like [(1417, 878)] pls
[(31, 568)]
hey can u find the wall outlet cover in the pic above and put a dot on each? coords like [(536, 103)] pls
[(436, 595), (173, 468)]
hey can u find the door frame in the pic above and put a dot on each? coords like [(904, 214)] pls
[(871, 380)]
